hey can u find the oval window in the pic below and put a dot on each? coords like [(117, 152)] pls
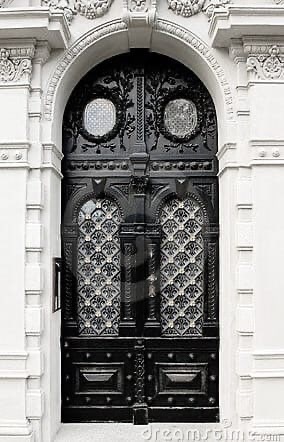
[(180, 118), (99, 117)]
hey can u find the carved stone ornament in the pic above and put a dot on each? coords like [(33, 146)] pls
[(65, 6), (15, 64), (212, 5), (138, 5), (187, 8), (5, 3), (266, 63), (88, 8)]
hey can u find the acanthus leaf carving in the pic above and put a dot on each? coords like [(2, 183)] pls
[(15, 64), (266, 63)]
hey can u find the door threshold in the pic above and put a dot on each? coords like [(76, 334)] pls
[(127, 432)]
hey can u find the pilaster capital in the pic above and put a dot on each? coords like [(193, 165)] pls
[(16, 61), (265, 60)]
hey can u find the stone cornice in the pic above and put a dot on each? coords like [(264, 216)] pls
[(235, 22), (37, 23)]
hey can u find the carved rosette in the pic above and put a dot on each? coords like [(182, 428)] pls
[(265, 62), (16, 64)]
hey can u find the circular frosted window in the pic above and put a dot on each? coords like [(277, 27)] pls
[(180, 118), (99, 117)]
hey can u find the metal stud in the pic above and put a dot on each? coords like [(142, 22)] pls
[(191, 355), (149, 399), (191, 400), (211, 400), (67, 377), (213, 355), (150, 377), (171, 355), (212, 378), (149, 355), (88, 355), (88, 399), (129, 355), (170, 400), (108, 399), (129, 399), (109, 355), (67, 355), (129, 377)]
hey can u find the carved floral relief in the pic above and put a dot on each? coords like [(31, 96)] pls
[(88, 8), (15, 64), (187, 8), (266, 63)]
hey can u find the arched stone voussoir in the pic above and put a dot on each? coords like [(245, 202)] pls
[(111, 39)]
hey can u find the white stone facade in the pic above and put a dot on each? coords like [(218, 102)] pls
[(237, 50)]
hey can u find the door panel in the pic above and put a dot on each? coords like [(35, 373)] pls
[(140, 245)]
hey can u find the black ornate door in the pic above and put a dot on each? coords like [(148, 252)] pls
[(140, 245)]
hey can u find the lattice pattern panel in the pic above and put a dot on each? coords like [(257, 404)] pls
[(100, 117), (98, 271), (182, 268), (180, 117)]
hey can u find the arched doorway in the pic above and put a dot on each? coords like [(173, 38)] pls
[(140, 245)]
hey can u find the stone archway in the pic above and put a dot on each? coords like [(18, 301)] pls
[(172, 40)]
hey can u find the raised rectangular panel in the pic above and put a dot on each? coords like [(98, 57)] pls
[(182, 378), (245, 319), (99, 378), (34, 193), (34, 236), (245, 277), (245, 404), (244, 363), (244, 192), (34, 278), (33, 320), (245, 235), (35, 403), (35, 363)]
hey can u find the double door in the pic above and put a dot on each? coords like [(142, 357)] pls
[(140, 246)]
